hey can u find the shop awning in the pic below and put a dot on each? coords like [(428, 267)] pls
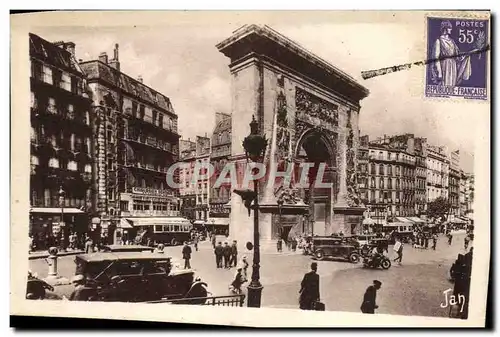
[(138, 222), (199, 222), (124, 223), (368, 221), (403, 219), (218, 221), (416, 220), (56, 210), (458, 220)]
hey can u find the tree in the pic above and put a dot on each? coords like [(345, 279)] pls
[(438, 208)]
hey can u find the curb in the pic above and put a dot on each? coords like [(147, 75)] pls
[(46, 255)]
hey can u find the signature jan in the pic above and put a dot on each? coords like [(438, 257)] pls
[(450, 299)]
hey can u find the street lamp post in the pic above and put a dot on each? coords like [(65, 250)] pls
[(255, 147), (62, 194)]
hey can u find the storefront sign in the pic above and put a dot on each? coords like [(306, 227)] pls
[(151, 191)]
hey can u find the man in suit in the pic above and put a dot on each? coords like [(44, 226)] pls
[(219, 251), (227, 255), (309, 289), (369, 299), (234, 254), (186, 255)]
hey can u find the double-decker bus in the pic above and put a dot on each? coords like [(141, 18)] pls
[(172, 232)]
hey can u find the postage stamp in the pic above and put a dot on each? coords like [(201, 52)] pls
[(457, 54)]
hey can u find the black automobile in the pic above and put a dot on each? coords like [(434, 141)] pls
[(138, 277), (336, 247)]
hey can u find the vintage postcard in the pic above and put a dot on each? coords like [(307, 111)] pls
[(266, 169)]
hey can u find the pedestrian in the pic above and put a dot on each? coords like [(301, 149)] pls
[(244, 268), (450, 238), (426, 241), (369, 298), (279, 245), (81, 292), (309, 289), (219, 252), (466, 242), (398, 248), (88, 246), (214, 240), (434, 241), (238, 281), (234, 254), (186, 255), (30, 248), (294, 245), (195, 241), (227, 255)]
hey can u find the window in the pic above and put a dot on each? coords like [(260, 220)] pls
[(134, 109), (36, 70), (88, 168), (381, 169), (110, 164), (54, 162), (72, 165), (381, 182), (76, 85), (124, 206), (33, 100), (160, 120), (51, 107), (66, 81), (47, 75), (34, 160), (155, 115), (373, 167), (389, 169), (142, 111), (158, 228)]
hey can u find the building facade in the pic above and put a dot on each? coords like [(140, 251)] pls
[(363, 167), (438, 170), (187, 191), (136, 142), (219, 157), (454, 185), (61, 146), (467, 194)]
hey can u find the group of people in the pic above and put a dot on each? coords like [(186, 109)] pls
[(227, 254), (309, 292)]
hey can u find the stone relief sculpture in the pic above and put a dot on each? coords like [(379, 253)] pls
[(283, 133), (289, 196), (353, 198), (309, 105)]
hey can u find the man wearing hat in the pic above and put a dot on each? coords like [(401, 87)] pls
[(309, 289), (369, 299), (81, 292)]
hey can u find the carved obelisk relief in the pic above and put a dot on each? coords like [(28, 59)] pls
[(342, 156)]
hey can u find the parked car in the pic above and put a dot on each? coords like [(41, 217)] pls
[(36, 288), (336, 247), (363, 239), (138, 277)]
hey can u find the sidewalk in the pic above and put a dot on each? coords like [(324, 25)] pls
[(45, 254)]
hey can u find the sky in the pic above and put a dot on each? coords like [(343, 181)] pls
[(182, 62)]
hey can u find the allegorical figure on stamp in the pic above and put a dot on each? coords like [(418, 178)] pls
[(450, 68)]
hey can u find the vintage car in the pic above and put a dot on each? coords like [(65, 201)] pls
[(127, 248), (138, 277), (336, 247)]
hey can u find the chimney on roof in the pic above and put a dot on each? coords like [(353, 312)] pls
[(139, 78), (103, 57), (70, 47), (115, 62)]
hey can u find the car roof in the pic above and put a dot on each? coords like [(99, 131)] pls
[(128, 247), (123, 256)]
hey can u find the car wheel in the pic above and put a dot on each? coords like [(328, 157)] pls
[(173, 242), (319, 254), (386, 264), (354, 258)]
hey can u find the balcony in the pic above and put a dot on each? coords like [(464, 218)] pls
[(153, 143), (153, 123), (147, 167), (148, 213)]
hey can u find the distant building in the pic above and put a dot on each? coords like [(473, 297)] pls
[(454, 184), (61, 142), (187, 191), (136, 142), (466, 194), (438, 171), (219, 157)]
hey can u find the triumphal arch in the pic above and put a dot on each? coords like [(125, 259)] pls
[(309, 112)]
